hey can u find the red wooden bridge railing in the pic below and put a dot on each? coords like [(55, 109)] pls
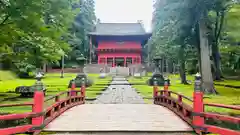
[(40, 116), (195, 114)]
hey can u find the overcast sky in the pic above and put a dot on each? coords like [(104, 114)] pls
[(125, 11)]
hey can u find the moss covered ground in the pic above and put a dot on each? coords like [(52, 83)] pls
[(229, 96), (54, 84)]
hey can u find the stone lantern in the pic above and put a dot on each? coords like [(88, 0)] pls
[(158, 64), (158, 75), (81, 62)]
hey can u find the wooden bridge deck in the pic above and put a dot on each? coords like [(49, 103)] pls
[(118, 117)]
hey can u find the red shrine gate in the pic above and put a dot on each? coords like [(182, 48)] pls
[(119, 53), (119, 44)]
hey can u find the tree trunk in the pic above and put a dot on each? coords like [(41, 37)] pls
[(44, 67), (162, 66), (207, 80), (174, 68), (217, 63), (170, 66), (182, 69), (90, 50), (215, 47), (198, 48), (183, 73)]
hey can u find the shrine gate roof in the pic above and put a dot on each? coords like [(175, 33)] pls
[(118, 29)]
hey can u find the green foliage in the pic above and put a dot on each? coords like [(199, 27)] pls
[(176, 34), (34, 33), (84, 22)]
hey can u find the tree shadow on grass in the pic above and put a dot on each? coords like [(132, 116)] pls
[(6, 97)]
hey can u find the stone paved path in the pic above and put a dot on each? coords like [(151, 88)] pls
[(118, 117), (119, 94), (120, 108)]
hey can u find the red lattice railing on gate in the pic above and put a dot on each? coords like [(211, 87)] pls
[(40, 116), (195, 115)]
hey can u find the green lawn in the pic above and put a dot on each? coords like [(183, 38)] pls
[(55, 85), (226, 95)]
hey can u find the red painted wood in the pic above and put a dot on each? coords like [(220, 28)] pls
[(125, 46), (198, 107), (115, 45), (165, 88), (155, 91), (234, 107), (222, 117), (57, 99), (62, 110), (184, 110), (38, 100), (221, 131), (15, 116), (15, 105), (179, 98), (175, 93), (38, 108), (15, 130), (118, 55), (73, 87), (83, 92), (160, 100)]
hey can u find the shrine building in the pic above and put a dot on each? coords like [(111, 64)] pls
[(118, 44)]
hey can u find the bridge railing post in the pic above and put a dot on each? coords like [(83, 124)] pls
[(198, 106), (83, 89), (155, 88), (38, 103), (179, 98), (73, 87), (165, 88)]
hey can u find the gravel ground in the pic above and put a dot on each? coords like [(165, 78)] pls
[(119, 94)]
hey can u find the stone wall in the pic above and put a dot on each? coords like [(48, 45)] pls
[(66, 70), (137, 68), (122, 71), (96, 68)]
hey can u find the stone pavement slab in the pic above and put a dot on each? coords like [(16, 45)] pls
[(118, 117), (119, 94)]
